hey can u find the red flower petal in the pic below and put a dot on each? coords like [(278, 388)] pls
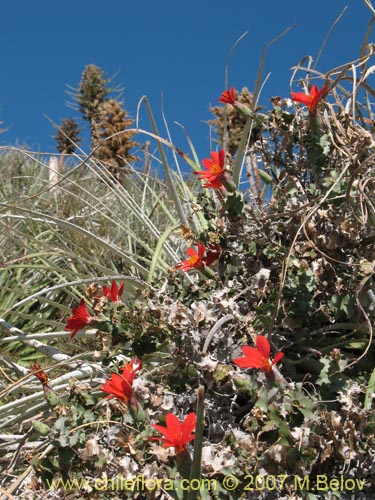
[(80, 319), (215, 158), (310, 100), (195, 261), (228, 96), (201, 250), (41, 375), (120, 385), (176, 434), (263, 346), (277, 358), (116, 386), (191, 252), (251, 359), (215, 172), (114, 293), (188, 427), (167, 433), (173, 424), (221, 157), (259, 356), (206, 164)]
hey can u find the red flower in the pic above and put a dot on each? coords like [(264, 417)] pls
[(41, 375), (215, 173), (259, 356), (196, 259), (175, 433), (130, 369), (80, 319), (199, 260), (120, 385), (311, 100), (228, 96), (114, 293)]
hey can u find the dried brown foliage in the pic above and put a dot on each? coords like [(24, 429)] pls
[(115, 141), (67, 136)]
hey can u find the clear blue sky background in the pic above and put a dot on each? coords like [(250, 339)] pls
[(173, 48)]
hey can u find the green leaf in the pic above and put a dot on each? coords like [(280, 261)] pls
[(324, 376), (307, 413), (63, 441), (60, 424), (41, 428), (370, 390), (52, 398), (357, 345), (266, 178), (73, 438), (235, 204), (263, 401), (222, 372), (325, 144)]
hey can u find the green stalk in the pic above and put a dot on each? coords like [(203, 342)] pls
[(209, 273), (198, 443)]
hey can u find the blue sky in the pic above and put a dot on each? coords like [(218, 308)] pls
[(170, 48)]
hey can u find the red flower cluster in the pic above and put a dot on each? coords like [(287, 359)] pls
[(310, 100), (177, 434), (80, 319), (228, 96), (197, 260), (121, 385), (259, 356), (215, 172)]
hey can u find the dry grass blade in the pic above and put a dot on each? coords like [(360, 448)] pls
[(337, 20), (240, 156)]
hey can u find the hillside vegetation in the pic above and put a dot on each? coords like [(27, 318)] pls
[(203, 336)]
